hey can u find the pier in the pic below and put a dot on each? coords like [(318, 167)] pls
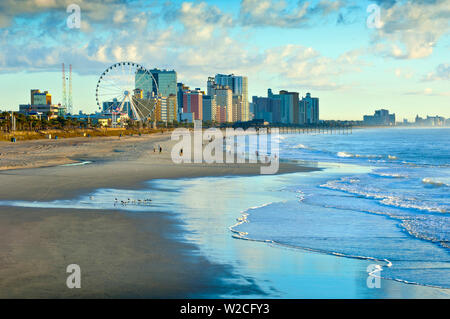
[(297, 129)]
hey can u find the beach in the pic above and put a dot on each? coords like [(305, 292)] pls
[(122, 255), (209, 231)]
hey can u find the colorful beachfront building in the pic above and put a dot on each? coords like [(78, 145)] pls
[(193, 103)]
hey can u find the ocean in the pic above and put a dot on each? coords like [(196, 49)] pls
[(381, 198), (387, 199)]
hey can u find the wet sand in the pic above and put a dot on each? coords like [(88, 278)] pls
[(120, 256)]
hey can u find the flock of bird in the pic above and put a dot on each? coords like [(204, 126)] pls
[(129, 201), (139, 202)]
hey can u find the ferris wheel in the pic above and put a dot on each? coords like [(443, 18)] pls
[(127, 89)]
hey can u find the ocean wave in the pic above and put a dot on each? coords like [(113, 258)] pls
[(244, 219), (300, 146), (381, 262), (300, 196), (410, 203), (351, 186), (434, 182), (345, 154), (430, 227), (348, 154), (392, 175)]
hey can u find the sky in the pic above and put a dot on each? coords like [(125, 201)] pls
[(342, 51)]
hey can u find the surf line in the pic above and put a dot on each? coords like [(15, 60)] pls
[(243, 236), (387, 263)]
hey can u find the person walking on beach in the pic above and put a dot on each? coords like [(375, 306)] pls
[(160, 149)]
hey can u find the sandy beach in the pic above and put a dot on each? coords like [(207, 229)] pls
[(122, 255)]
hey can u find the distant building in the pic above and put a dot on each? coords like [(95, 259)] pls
[(237, 106), (309, 110), (286, 108), (180, 89), (41, 105), (209, 108), (193, 103), (144, 81), (46, 110), (210, 86), (172, 109), (290, 111), (277, 108), (40, 98), (381, 117), (430, 121), (166, 80), (239, 89), (267, 109), (224, 104)]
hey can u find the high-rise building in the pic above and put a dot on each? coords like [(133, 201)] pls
[(172, 109), (193, 103), (40, 98), (209, 108), (267, 109), (180, 89), (290, 106), (144, 81), (224, 104), (237, 106), (381, 117), (239, 87), (163, 110), (288, 112), (166, 80), (211, 85), (286, 108), (309, 110)]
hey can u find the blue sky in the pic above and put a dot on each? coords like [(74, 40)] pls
[(320, 46)]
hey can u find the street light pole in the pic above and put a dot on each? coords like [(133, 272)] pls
[(13, 121)]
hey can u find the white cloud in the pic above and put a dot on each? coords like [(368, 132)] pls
[(404, 73), (428, 92), (281, 13), (411, 29), (442, 72), (299, 66)]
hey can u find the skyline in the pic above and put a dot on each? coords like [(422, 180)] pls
[(399, 67)]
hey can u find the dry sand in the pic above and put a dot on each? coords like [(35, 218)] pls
[(121, 255)]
